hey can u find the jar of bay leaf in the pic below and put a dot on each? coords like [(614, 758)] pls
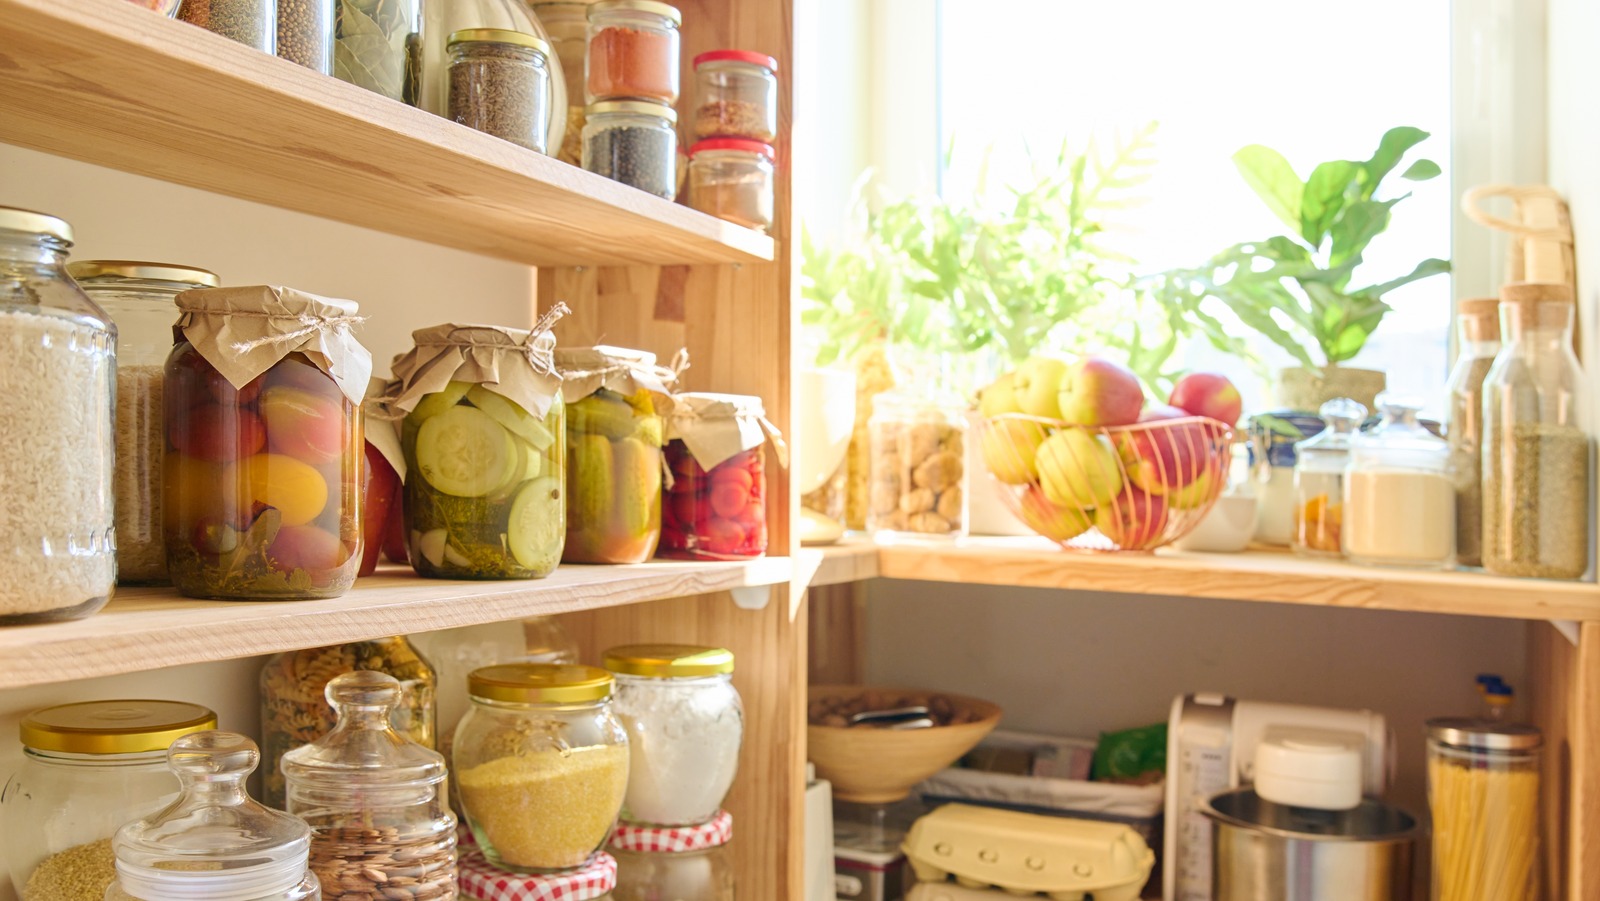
[(378, 46), (1535, 452), (1478, 324)]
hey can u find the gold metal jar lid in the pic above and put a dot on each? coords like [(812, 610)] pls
[(664, 10), (632, 107), (13, 219), (114, 727), (669, 661), (540, 683), (160, 272), (497, 36)]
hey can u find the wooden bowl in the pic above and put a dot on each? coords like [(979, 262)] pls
[(880, 766)]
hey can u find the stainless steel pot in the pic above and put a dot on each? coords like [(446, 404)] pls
[(1268, 852)]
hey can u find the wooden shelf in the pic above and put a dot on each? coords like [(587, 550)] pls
[(106, 82), (147, 628)]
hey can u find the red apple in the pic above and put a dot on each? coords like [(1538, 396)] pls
[(1095, 391), (1208, 394), (1164, 458), (1134, 519)]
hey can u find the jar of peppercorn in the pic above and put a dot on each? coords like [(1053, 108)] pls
[(633, 51), (737, 96), (716, 506), (731, 179), (633, 142)]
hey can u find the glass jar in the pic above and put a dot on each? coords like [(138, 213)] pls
[(138, 297), (87, 769), (567, 25), (214, 843), (444, 18), (633, 51), (482, 880), (294, 708), (500, 85), (1478, 324), (1272, 441), (262, 483), (542, 764), (378, 46), (380, 485), (483, 493), (1399, 494), (306, 33), (918, 476), (685, 723), (374, 799), (633, 142), (732, 180), (253, 23), (668, 864), (1319, 467), (57, 382), (737, 96), (1536, 483), (1483, 791)]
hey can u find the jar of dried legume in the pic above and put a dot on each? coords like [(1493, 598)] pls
[(633, 142), (306, 33)]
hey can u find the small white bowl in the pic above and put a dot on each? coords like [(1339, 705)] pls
[(1226, 529)]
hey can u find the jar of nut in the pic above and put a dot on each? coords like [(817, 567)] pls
[(917, 481)]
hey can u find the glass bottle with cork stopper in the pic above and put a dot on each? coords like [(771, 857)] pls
[(1478, 325), (1535, 449), (1319, 467), (1399, 497)]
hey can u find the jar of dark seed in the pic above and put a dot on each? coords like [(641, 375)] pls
[(305, 33), (633, 142), (500, 85), (732, 179), (737, 95), (253, 23)]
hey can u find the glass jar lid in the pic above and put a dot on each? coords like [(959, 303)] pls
[(83, 270), (114, 727), (738, 56), (757, 147), (363, 750), (30, 222), (1341, 420), (1400, 440), (1466, 733), (632, 108), (669, 661), (497, 36), (540, 683), (665, 11)]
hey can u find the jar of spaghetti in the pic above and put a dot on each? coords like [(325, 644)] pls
[(731, 179), (737, 95), (716, 507), (1483, 791), (633, 51)]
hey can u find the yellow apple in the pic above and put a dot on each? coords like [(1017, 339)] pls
[(1193, 494), (1053, 522), (1078, 468), (999, 397), (1038, 387), (1009, 448)]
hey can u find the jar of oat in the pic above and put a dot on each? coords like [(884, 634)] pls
[(1319, 467), (374, 799), (214, 843), (139, 299), (294, 707), (918, 483), (687, 862), (253, 23), (737, 95), (86, 770), (542, 765), (1478, 338), (57, 377), (716, 507), (633, 51), (1399, 493), (1536, 481), (731, 179)]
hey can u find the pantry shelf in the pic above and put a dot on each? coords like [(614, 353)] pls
[(150, 628), (109, 83)]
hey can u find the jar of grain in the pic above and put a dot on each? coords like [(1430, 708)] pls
[(1319, 479), (633, 142), (57, 377), (567, 25), (1536, 481), (374, 799), (1399, 493), (253, 23), (443, 18), (214, 843), (1478, 322), (139, 296), (918, 480), (633, 51), (306, 33), (731, 179), (679, 862), (737, 96), (86, 770), (716, 508), (542, 764), (500, 85), (685, 723)]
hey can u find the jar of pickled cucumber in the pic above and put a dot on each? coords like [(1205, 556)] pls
[(716, 452)]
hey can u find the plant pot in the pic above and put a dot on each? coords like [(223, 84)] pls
[(1299, 388), (987, 511)]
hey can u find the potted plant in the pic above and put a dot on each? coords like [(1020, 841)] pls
[(1295, 289)]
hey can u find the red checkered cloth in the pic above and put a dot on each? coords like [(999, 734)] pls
[(487, 882), (713, 833)]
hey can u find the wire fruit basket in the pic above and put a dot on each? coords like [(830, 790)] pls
[(1112, 488)]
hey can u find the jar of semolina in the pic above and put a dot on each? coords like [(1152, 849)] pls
[(541, 764)]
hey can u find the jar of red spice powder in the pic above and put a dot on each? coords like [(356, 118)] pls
[(731, 179), (633, 51)]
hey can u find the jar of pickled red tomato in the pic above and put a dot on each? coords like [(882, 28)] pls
[(263, 454), (716, 452), (380, 479)]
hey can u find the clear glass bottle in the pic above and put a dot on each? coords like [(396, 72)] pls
[(918, 477), (687, 862), (374, 799), (57, 383), (1478, 330), (685, 723), (378, 46), (542, 764), (446, 17), (633, 51), (1399, 494), (633, 142), (138, 297), (737, 94), (731, 179), (306, 33), (86, 770), (1483, 791), (1536, 481), (214, 843), (1319, 467), (500, 85), (253, 23), (567, 24)]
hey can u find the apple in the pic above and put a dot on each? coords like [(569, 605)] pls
[(1160, 460), (1078, 468), (1037, 386), (999, 397), (1054, 522), (1135, 519), (1096, 391), (1208, 394), (1194, 494), (1010, 447)]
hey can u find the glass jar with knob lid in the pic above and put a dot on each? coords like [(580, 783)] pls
[(1319, 467), (918, 476), (1399, 494)]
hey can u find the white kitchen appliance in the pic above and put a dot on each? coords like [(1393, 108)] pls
[(1212, 744)]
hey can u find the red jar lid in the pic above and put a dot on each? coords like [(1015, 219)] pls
[(742, 56), (732, 144)]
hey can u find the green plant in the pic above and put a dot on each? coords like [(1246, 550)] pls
[(1294, 290)]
